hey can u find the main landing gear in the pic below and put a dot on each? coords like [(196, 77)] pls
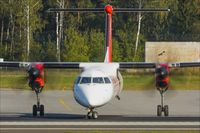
[(38, 108), (162, 108), (92, 114)]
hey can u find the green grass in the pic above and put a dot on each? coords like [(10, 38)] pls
[(64, 79), (131, 131), (144, 82)]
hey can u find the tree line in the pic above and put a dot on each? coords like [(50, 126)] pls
[(29, 33)]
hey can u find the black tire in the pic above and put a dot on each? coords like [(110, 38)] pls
[(94, 115), (34, 110), (159, 110), (88, 117), (166, 110), (41, 110)]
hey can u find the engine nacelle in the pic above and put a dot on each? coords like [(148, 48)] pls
[(36, 80), (162, 77)]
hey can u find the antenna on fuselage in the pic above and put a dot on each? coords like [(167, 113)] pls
[(108, 9)]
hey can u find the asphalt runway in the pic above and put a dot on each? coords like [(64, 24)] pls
[(135, 111)]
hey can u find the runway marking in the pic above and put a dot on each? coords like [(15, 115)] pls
[(64, 89), (104, 129), (93, 123), (62, 102)]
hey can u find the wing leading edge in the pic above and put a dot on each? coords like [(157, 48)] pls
[(129, 65), (77, 65), (67, 65)]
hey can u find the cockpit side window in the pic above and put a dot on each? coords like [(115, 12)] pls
[(85, 80), (107, 80), (98, 80), (78, 80)]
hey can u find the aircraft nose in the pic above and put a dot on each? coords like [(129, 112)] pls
[(92, 96), (92, 100)]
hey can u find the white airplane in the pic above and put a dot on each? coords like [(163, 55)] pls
[(98, 83)]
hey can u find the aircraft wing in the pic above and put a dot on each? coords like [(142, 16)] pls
[(69, 65), (78, 65), (129, 65)]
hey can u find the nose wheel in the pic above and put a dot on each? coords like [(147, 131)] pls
[(38, 108), (92, 114), (162, 108)]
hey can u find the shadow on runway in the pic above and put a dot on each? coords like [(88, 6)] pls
[(80, 117)]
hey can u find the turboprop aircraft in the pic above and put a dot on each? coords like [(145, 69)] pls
[(99, 82)]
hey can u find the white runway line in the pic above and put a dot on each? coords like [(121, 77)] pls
[(92, 123), (104, 129)]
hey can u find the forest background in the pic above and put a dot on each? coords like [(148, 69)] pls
[(30, 33)]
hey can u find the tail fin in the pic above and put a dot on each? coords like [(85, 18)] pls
[(108, 33), (108, 56)]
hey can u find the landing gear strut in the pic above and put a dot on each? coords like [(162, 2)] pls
[(38, 108), (92, 114), (162, 108)]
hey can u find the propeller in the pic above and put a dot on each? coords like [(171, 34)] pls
[(162, 74)]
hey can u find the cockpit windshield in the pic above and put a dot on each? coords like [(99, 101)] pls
[(95, 80), (98, 80), (85, 80)]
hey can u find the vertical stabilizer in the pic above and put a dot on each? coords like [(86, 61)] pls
[(108, 34)]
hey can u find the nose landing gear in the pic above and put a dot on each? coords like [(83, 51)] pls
[(38, 108), (92, 114), (162, 108)]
